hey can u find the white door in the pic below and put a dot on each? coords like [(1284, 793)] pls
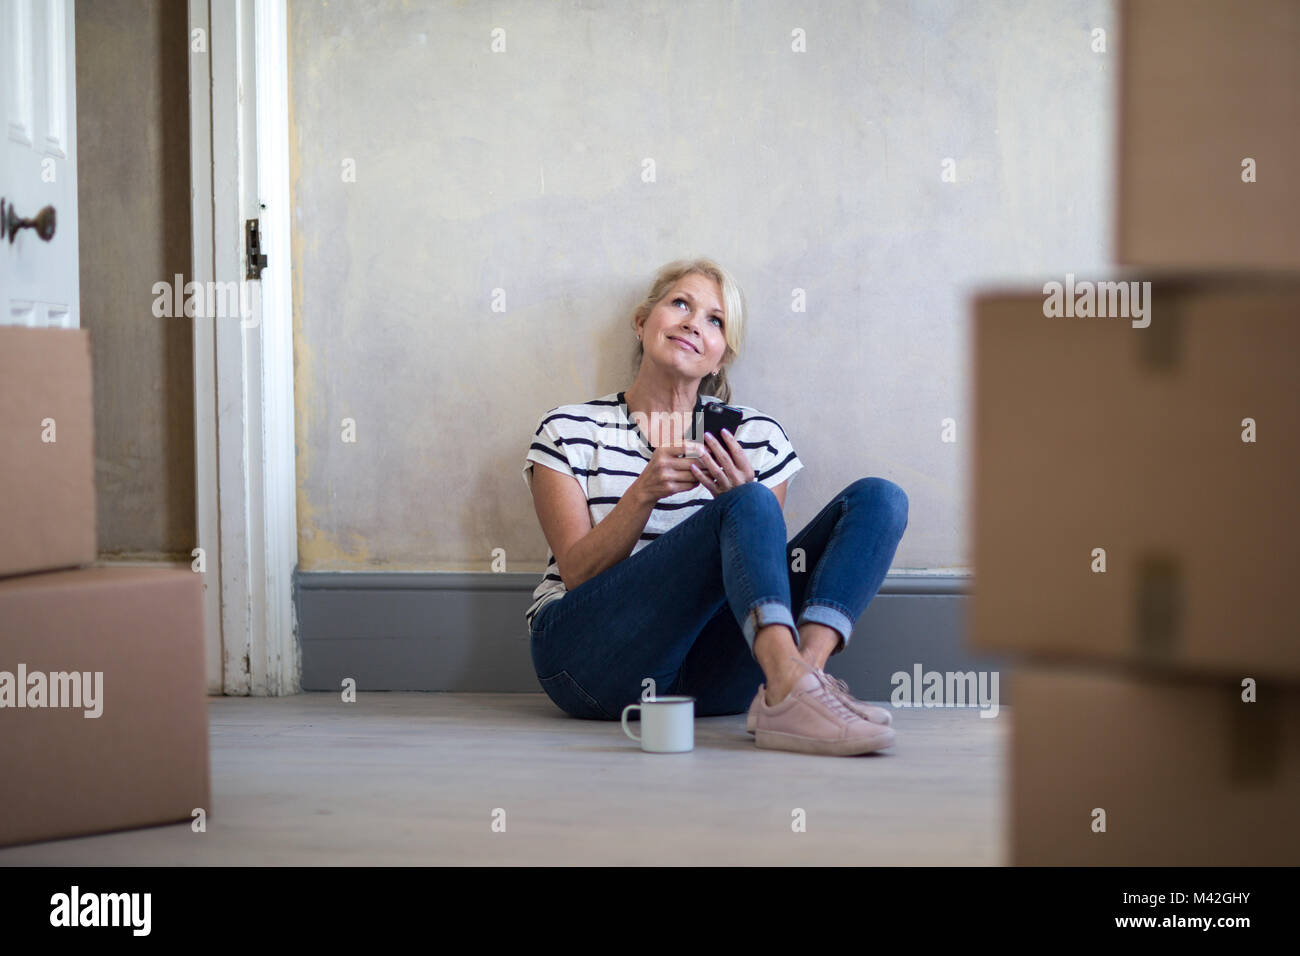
[(38, 165)]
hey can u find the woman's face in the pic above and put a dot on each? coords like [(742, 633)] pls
[(685, 329)]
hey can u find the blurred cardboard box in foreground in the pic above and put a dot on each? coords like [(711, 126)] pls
[(47, 453), (1118, 513), (1208, 92), (103, 702), (1181, 772)]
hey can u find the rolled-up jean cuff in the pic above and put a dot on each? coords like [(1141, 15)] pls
[(834, 619), (764, 613)]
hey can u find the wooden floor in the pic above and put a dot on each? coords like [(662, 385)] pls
[(414, 779)]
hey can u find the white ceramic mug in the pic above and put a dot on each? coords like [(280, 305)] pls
[(667, 724)]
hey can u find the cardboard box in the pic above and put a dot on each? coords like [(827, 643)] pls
[(144, 759), (1186, 773), (1202, 86), (1096, 439), (47, 488)]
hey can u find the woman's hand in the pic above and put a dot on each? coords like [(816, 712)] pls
[(723, 466), (667, 472)]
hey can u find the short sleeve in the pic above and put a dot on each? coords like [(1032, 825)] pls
[(547, 447), (775, 460)]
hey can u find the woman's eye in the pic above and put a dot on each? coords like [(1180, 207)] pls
[(713, 317)]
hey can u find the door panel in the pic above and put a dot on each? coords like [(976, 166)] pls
[(39, 283)]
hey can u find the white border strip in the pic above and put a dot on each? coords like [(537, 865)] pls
[(280, 516), (206, 516), (243, 374)]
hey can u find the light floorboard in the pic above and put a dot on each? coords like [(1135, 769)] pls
[(415, 778)]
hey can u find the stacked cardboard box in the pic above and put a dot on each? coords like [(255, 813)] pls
[(1136, 528), (1209, 128), (103, 708), (1123, 526)]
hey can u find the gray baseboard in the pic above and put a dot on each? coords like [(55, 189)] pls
[(459, 631)]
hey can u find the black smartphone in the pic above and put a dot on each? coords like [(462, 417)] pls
[(717, 417)]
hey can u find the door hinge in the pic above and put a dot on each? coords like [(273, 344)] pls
[(253, 249)]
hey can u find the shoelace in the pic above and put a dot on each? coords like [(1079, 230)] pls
[(833, 698), (838, 684), (843, 688)]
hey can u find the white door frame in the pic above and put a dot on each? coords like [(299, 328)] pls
[(246, 485)]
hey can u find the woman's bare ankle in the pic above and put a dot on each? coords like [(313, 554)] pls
[(779, 686), (776, 651)]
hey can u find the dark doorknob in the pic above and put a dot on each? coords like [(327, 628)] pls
[(11, 222)]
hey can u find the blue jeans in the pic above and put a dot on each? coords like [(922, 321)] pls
[(684, 610)]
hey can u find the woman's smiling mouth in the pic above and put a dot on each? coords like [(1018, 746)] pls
[(682, 343)]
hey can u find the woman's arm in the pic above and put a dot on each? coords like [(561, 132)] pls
[(779, 491), (581, 551)]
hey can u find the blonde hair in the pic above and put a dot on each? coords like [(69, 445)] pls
[(733, 305)]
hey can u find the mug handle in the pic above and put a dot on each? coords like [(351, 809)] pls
[(625, 730)]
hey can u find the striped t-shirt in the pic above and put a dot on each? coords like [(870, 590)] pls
[(599, 444)]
